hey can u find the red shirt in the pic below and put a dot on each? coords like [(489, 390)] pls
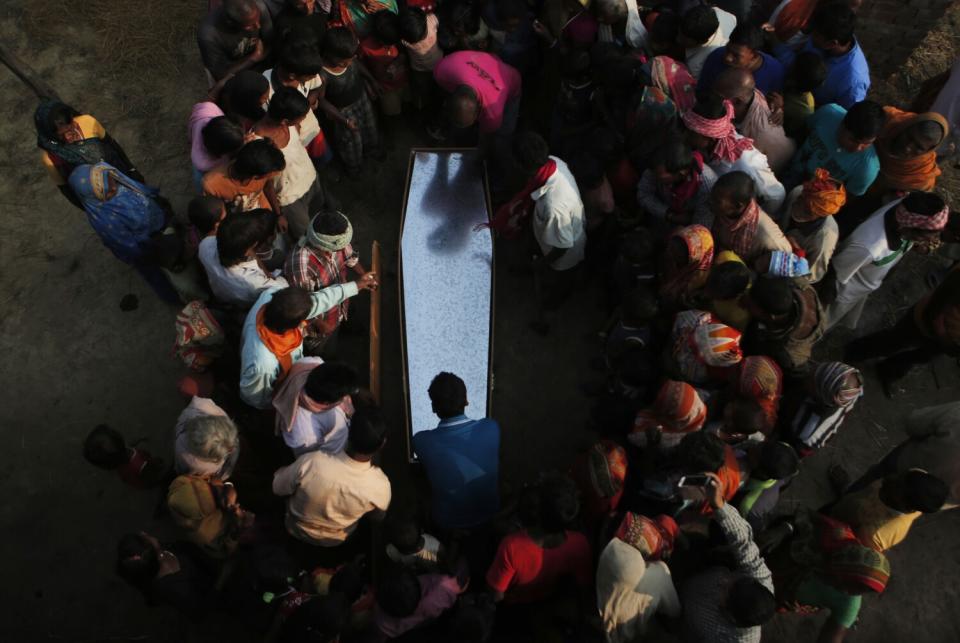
[(526, 572), (385, 63)]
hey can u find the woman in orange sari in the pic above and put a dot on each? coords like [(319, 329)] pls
[(686, 263), (677, 411), (907, 147), (761, 381)]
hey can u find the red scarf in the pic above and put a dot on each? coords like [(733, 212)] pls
[(509, 215), (683, 192), (739, 235), (282, 344)]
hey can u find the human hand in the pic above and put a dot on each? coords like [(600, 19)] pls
[(775, 101), (282, 224), (352, 124), (714, 490), (367, 281), (259, 51)]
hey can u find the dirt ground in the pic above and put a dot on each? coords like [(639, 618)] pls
[(73, 359)]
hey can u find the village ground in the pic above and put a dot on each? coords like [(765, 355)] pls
[(72, 358)]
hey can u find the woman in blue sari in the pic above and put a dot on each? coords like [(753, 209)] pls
[(125, 214)]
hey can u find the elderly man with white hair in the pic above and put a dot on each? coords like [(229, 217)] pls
[(205, 441)]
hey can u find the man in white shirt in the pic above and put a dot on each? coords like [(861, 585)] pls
[(329, 494), (230, 260), (704, 29)]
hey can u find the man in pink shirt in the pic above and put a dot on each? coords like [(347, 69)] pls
[(483, 89)]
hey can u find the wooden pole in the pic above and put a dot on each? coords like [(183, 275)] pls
[(375, 324), (25, 73)]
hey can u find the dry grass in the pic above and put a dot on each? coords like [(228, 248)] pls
[(138, 44)]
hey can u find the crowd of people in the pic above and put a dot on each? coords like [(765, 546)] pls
[(713, 173)]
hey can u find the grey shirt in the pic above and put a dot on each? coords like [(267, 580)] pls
[(221, 47)]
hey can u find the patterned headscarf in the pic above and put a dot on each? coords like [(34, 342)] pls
[(87, 151), (328, 242), (699, 244), (718, 344), (608, 467), (676, 411), (830, 381), (654, 538), (738, 234), (860, 566), (823, 196), (908, 219), (728, 146)]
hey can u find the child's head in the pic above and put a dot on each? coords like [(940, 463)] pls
[(288, 107), (511, 14), (778, 461), (770, 298), (744, 416), (138, 558), (299, 60), (246, 93), (330, 382), (701, 452), (406, 535), (222, 136), (339, 46), (808, 72), (637, 248), (727, 281), (575, 66), (530, 152), (386, 26), (663, 33), (412, 24), (697, 25), (672, 162), (639, 306), (399, 593), (237, 237), (105, 448), (257, 160)]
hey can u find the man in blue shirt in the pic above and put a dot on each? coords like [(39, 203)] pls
[(461, 457), (831, 38), (743, 51)]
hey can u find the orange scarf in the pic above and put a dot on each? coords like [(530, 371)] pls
[(281, 345), (918, 173), (793, 18)]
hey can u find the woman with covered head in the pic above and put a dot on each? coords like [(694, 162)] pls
[(675, 188), (810, 224), (877, 245), (812, 414), (676, 411), (907, 147), (685, 264), (739, 224), (710, 130), (69, 139), (703, 350)]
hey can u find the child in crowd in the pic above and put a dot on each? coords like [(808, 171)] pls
[(205, 214), (804, 77), (381, 54), (728, 283), (408, 545), (418, 31), (248, 181), (343, 98), (105, 448)]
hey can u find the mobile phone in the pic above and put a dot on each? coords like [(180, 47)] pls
[(697, 480)]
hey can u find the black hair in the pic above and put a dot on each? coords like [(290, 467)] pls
[(222, 136), (728, 280), (559, 504), (749, 603), (738, 185), (399, 593), (329, 222), (923, 203), (404, 534), (773, 294), (640, 305), (834, 21), (338, 44), (330, 382), (237, 234), (318, 620), (575, 62), (258, 158), (58, 115), (531, 151), (674, 155), (778, 461), (448, 394), (105, 448), (666, 27), (243, 93), (809, 71), (701, 451), (137, 560), (747, 415), (747, 35), (386, 26), (287, 104), (699, 23), (923, 491), (287, 309), (588, 171), (368, 430), (204, 212), (350, 580), (300, 57), (864, 120), (237, 10), (412, 24), (710, 105)]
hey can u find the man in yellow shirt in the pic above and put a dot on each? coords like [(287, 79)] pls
[(882, 513)]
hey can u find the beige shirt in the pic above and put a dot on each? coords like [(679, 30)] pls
[(329, 494)]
